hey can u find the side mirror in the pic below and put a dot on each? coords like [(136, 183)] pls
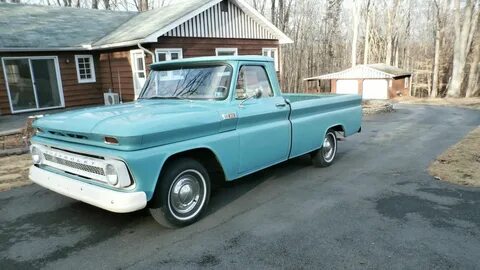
[(256, 94)]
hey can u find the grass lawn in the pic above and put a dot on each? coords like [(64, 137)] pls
[(14, 171), (460, 164), (472, 103)]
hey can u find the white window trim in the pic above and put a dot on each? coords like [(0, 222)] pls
[(59, 82), (92, 68), (277, 63), (234, 50), (169, 51)]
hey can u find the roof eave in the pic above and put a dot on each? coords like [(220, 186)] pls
[(23, 49)]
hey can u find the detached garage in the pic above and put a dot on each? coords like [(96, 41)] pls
[(375, 81)]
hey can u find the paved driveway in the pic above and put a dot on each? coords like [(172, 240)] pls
[(375, 208)]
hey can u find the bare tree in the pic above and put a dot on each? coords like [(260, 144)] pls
[(439, 25), (464, 32), (367, 33), (356, 21), (391, 14)]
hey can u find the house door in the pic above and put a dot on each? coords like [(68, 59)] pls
[(33, 83), (138, 71)]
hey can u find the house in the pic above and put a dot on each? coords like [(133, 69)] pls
[(373, 81), (54, 57)]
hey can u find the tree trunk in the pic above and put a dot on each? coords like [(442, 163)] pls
[(106, 3), (473, 74), (367, 41), (356, 19), (143, 5), (95, 4), (436, 59), (463, 40)]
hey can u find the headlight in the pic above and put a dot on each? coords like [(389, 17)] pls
[(37, 156), (112, 175)]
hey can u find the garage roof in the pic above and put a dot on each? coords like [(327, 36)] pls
[(371, 71)]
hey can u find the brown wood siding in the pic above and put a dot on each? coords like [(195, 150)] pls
[(116, 72), (4, 103), (74, 93), (398, 88), (194, 47)]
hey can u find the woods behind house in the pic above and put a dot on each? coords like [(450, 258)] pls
[(438, 40)]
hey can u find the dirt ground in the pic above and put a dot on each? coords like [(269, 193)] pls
[(14, 171), (376, 106), (460, 164), (472, 103)]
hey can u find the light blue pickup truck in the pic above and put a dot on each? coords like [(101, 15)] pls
[(197, 121)]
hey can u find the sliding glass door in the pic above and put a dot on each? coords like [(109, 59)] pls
[(33, 83)]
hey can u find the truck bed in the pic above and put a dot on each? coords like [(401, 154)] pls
[(312, 115)]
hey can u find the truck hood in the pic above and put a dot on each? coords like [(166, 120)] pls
[(140, 124)]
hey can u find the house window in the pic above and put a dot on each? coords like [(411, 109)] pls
[(273, 53), (85, 68), (226, 51), (168, 54)]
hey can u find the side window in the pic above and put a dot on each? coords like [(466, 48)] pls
[(251, 78)]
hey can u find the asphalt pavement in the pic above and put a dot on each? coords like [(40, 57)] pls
[(375, 208)]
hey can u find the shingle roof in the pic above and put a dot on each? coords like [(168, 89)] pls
[(26, 26), (371, 71)]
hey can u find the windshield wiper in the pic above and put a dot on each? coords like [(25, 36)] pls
[(161, 97)]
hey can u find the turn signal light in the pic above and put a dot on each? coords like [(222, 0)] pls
[(111, 140)]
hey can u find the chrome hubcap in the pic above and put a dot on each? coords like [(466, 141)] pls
[(185, 192), (328, 148)]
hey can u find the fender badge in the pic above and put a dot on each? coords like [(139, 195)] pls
[(227, 116)]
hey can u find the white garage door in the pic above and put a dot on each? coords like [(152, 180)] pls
[(347, 87), (375, 89)]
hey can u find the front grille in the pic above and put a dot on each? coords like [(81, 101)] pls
[(74, 165), (71, 135)]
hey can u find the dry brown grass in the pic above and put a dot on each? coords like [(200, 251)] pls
[(14, 171), (472, 103), (460, 164)]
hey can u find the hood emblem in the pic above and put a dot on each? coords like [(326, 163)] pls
[(227, 116)]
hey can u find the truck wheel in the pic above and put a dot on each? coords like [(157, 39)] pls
[(325, 156), (182, 194)]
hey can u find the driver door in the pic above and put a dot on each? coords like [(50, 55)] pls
[(263, 126)]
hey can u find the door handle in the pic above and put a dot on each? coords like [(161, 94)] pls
[(279, 105)]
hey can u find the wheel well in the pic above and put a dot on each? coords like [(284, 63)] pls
[(207, 158), (338, 129)]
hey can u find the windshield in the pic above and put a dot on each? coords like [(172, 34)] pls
[(203, 82)]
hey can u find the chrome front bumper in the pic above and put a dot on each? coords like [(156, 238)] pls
[(111, 200)]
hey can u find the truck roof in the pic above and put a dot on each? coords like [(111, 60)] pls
[(255, 58)]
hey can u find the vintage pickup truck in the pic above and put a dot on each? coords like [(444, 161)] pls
[(196, 121)]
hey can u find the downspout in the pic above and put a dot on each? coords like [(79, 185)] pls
[(147, 51)]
